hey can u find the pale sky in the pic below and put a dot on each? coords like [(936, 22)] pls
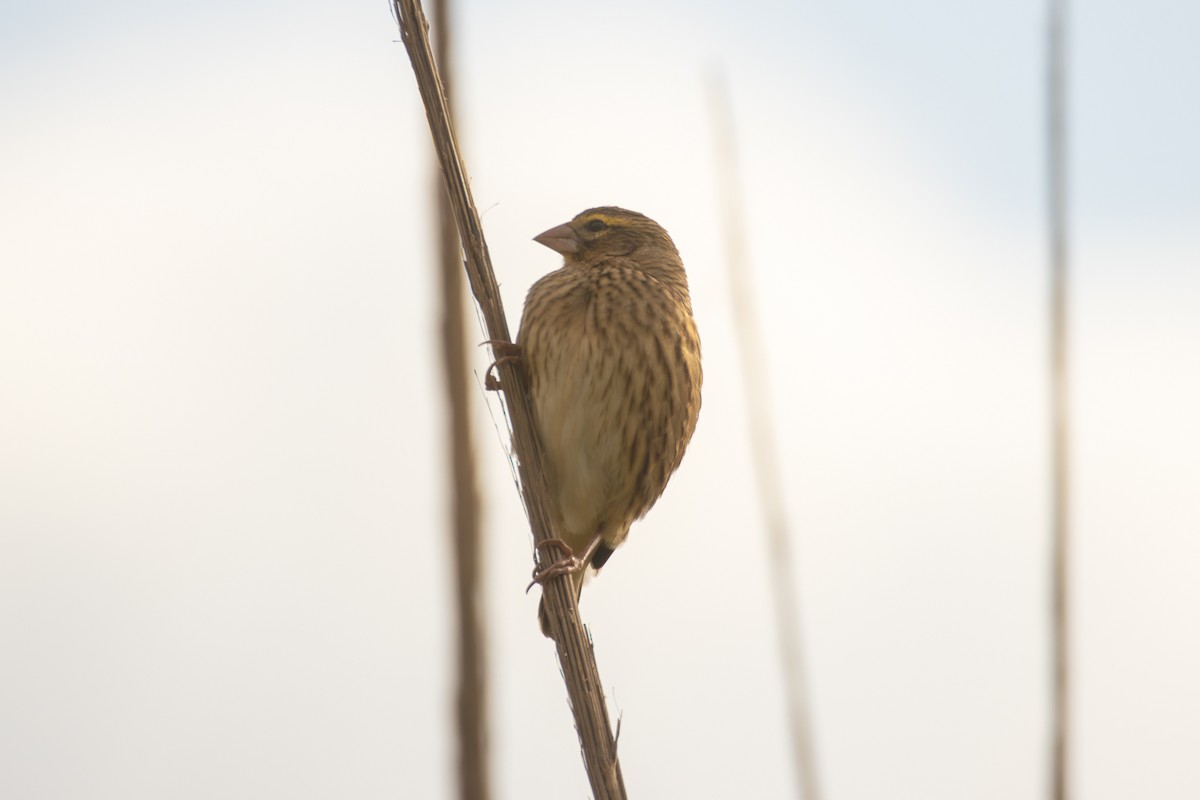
[(223, 560)]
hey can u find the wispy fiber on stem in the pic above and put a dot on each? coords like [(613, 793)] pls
[(575, 655), (762, 444)]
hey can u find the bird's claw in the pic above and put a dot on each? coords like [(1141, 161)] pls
[(569, 564), (504, 351)]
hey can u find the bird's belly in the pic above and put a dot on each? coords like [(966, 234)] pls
[(576, 415)]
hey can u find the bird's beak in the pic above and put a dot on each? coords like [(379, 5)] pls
[(562, 239)]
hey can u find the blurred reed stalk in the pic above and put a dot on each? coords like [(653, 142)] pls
[(576, 658), (1059, 400), (471, 703), (762, 444)]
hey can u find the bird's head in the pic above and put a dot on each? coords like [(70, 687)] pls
[(601, 234)]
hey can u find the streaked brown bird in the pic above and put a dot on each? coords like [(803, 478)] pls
[(613, 359)]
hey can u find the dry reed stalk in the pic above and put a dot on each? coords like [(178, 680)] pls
[(471, 701), (575, 655), (1059, 408), (762, 445)]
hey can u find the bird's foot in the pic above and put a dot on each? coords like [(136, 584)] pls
[(504, 352), (569, 564)]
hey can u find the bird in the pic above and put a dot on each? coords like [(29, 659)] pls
[(610, 347)]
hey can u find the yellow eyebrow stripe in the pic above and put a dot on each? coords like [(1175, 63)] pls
[(605, 218)]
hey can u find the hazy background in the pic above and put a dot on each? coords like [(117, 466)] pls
[(223, 560)]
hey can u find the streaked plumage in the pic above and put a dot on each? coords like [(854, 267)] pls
[(613, 358)]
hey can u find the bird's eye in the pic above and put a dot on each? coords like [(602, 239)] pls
[(595, 226)]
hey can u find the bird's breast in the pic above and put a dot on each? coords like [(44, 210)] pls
[(610, 385)]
